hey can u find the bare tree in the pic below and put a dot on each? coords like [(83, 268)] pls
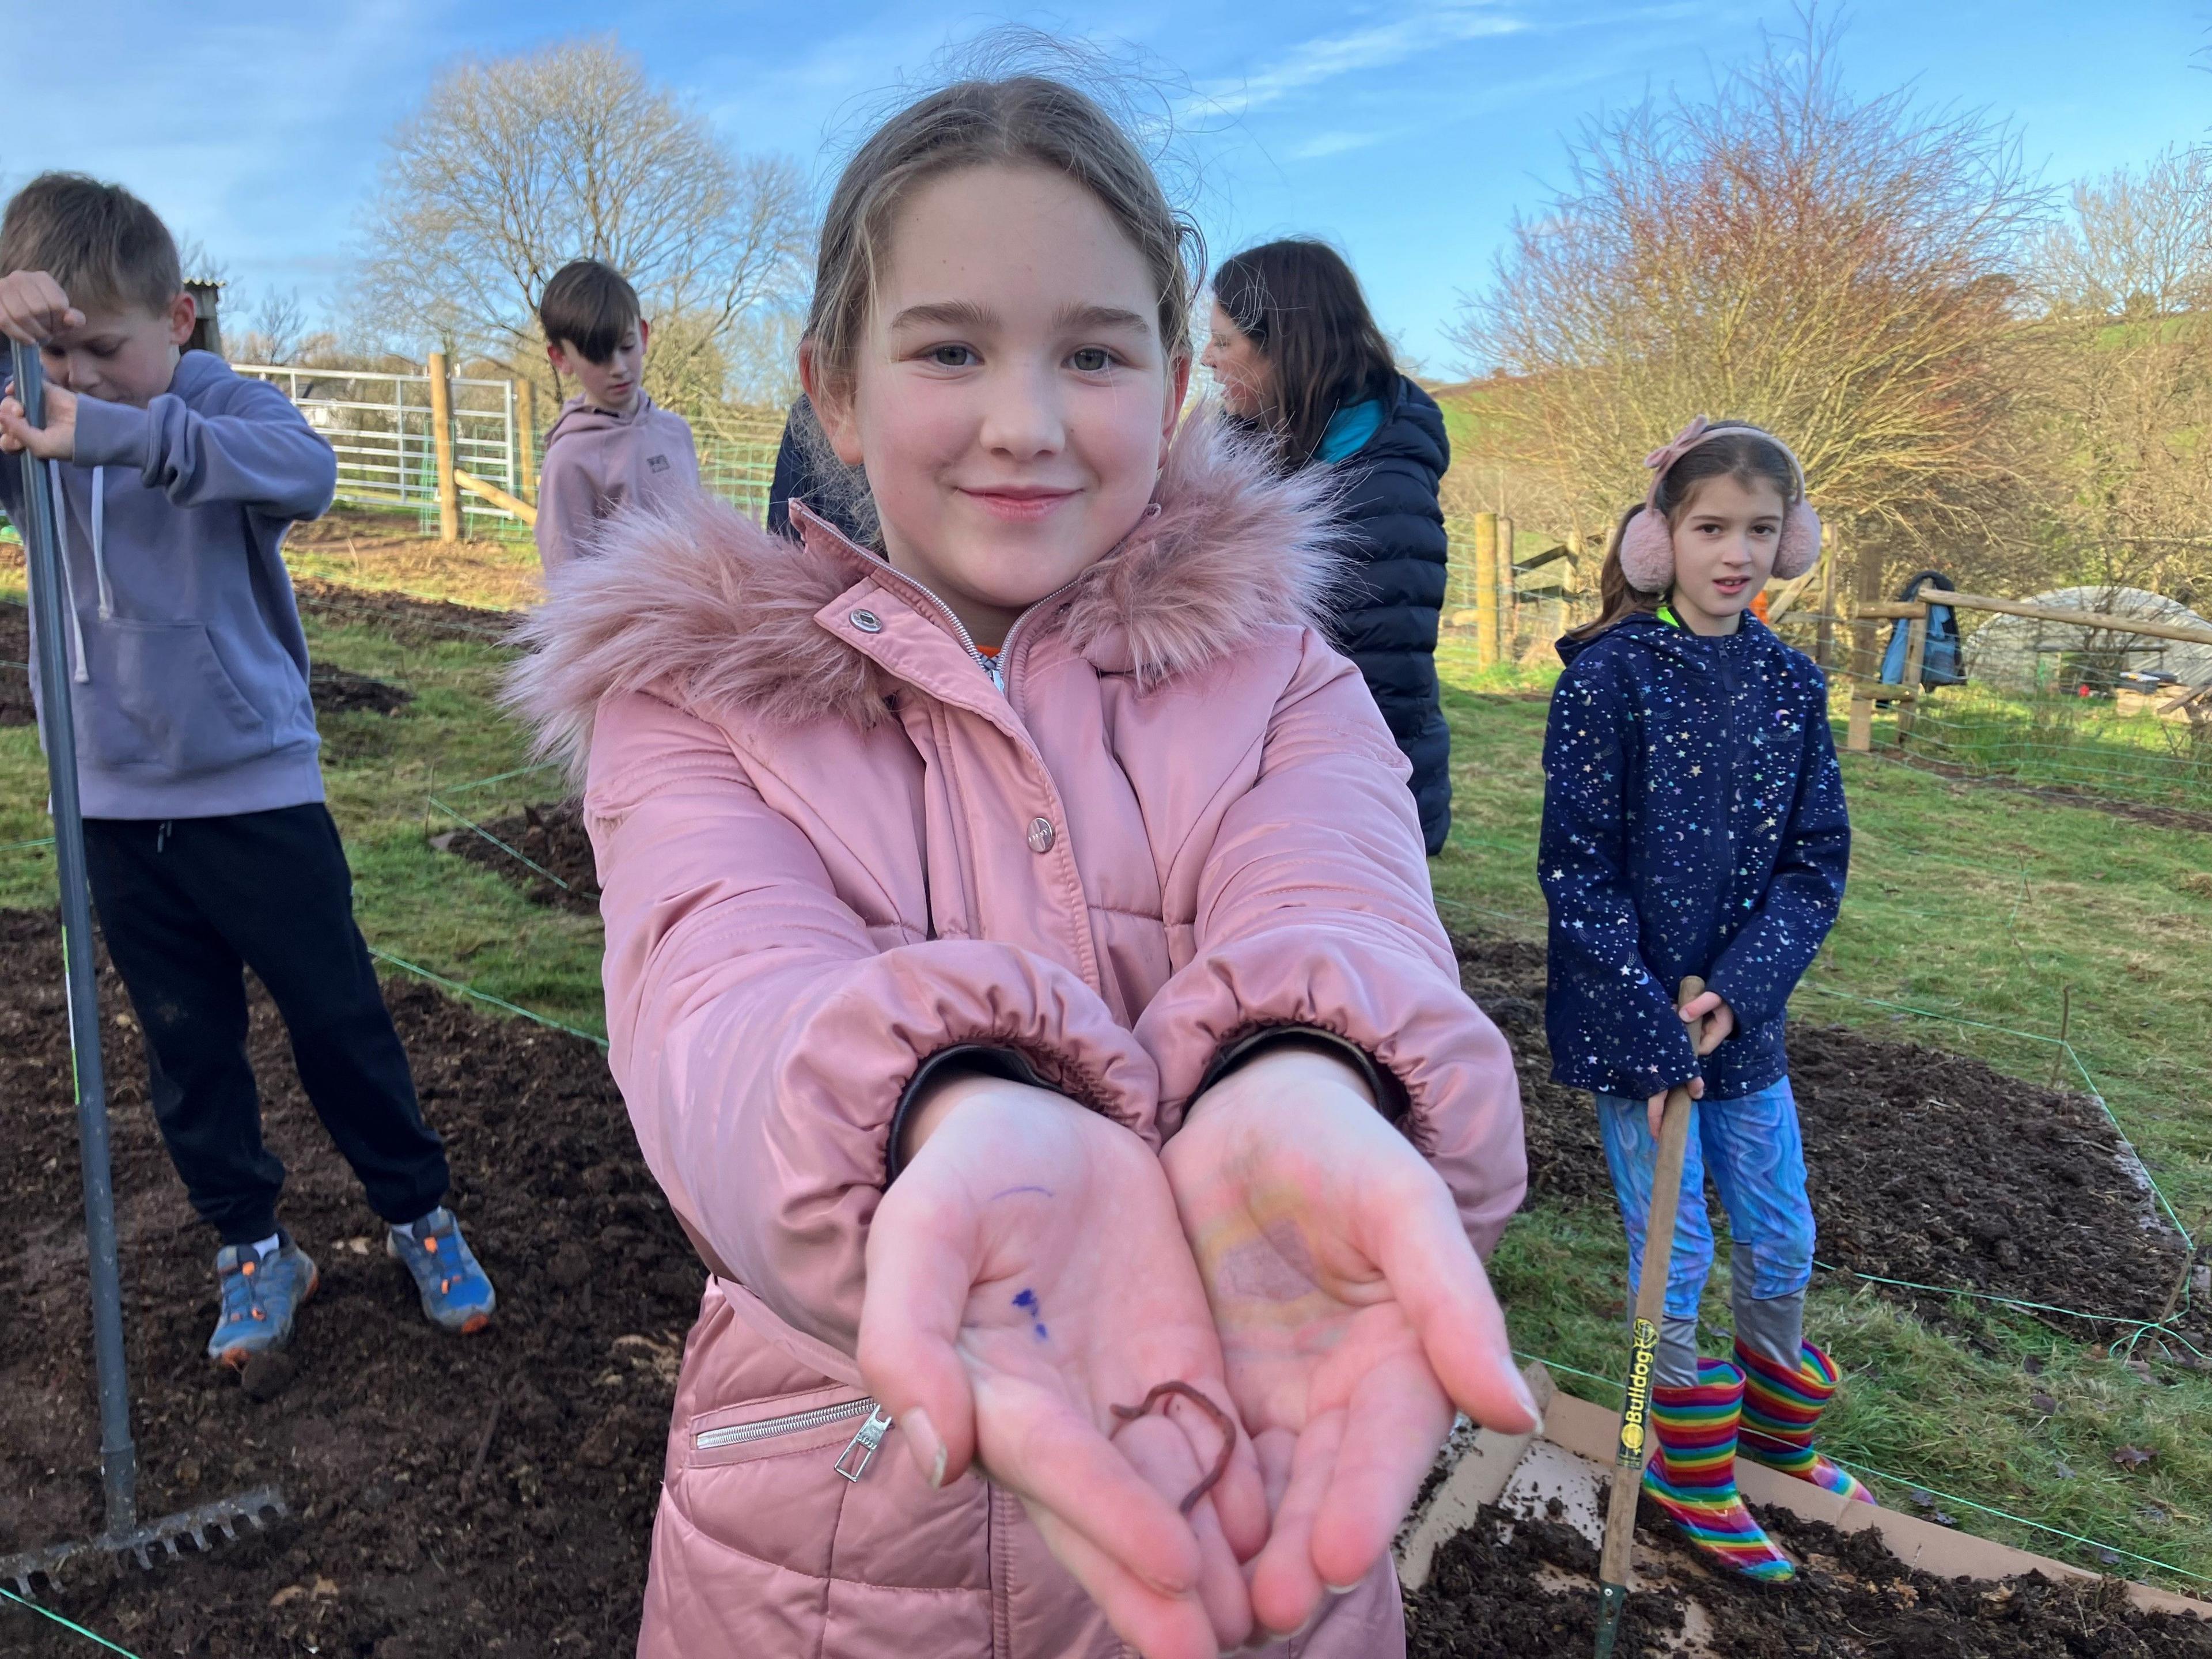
[(1778, 250), (513, 168), (276, 330), (2122, 374)]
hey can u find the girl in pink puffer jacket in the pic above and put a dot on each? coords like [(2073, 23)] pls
[(1022, 974)]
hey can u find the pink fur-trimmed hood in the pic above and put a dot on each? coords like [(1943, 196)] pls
[(692, 599)]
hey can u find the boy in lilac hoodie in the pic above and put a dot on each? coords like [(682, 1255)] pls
[(208, 844), (612, 445)]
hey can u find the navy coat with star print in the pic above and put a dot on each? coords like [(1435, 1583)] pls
[(1693, 824)]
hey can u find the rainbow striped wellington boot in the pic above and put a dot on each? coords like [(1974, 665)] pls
[(1692, 1474), (1781, 1411)]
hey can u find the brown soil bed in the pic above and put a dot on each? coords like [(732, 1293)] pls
[(372, 1437), (1924, 1165), (406, 618), (1495, 1597), (552, 837), (335, 690)]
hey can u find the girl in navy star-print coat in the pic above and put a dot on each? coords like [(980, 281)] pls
[(1694, 824)]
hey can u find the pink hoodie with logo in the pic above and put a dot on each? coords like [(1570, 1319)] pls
[(596, 463), (832, 847)]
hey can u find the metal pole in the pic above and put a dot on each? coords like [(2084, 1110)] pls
[(118, 1456)]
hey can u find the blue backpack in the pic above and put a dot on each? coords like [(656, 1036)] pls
[(1940, 662)]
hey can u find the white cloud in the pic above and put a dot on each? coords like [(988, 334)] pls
[(1316, 146), (1325, 57)]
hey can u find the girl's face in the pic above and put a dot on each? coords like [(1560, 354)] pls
[(1725, 537), (1239, 367), (1011, 399)]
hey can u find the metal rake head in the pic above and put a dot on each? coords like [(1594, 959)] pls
[(144, 1543)]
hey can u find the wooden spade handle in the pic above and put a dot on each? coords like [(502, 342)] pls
[(1650, 1309)]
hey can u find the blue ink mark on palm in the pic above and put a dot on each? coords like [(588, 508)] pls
[(1026, 1300), (1009, 1191)]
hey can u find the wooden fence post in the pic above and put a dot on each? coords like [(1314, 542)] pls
[(1824, 637), (525, 439), (1916, 654), (1485, 590), (1509, 595), (1866, 663), (441, 437)]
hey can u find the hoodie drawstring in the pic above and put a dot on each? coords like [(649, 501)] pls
[(83, 675), (100, 544)]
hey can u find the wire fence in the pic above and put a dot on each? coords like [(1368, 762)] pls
[(737, 457), (2085, 743), (2052, 714)]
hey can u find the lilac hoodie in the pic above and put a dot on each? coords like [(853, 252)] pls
[(596, 462), (189, 668)]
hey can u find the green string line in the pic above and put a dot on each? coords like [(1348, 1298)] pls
[(2141, 1328), (511, 853), (18, 845), (2021, 1520), (1915, 1486), (2088, 1083), (501, 777), (67, 1624), (483, 996)]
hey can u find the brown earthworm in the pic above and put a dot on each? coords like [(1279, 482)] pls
[(1221, 1421)]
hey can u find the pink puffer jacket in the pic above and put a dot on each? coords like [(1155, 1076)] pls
[(831, 849)]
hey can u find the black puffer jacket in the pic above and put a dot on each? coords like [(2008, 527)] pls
[(1387, 614)]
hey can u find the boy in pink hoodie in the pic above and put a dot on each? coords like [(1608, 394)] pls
[(612, 444)]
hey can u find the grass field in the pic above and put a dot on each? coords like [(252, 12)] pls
[(1966, 901)]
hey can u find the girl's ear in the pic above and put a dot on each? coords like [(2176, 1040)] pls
[(833, 407), (1178, 389)]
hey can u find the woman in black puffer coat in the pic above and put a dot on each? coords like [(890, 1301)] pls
[(1298, 359)]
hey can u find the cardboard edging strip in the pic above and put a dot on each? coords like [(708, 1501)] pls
[(1591, 1431)]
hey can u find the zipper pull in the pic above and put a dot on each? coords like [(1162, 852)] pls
[(869, 1435)]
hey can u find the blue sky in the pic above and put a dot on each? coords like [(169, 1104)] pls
[(1408, 133)]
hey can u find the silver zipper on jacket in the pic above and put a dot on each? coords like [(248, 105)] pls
[(869, 1435), (990, 665), (866, 1438)]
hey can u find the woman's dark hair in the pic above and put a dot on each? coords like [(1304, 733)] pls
[(1745, 452), (1298, 302)]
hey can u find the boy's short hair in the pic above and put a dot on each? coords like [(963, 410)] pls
[(589, 306), (104, 245)]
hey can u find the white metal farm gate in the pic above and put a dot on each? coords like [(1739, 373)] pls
[(381, 425)]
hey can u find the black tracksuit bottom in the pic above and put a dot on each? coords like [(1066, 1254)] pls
[(185, 906)]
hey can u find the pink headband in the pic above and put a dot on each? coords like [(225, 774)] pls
[(1647, 546)]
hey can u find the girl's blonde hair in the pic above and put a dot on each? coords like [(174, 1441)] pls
[(1017, 120)]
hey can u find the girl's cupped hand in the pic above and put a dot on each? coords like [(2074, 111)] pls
[(1352, 1313), (1026, 1275)]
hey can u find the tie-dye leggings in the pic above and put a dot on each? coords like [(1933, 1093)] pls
[(1752, 1148)]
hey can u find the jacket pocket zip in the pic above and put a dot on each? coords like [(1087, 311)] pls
[(866, 1438)]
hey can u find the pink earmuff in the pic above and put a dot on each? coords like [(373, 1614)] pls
[(1647, 545)]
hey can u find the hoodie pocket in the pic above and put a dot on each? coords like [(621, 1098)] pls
[(159, 698)]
